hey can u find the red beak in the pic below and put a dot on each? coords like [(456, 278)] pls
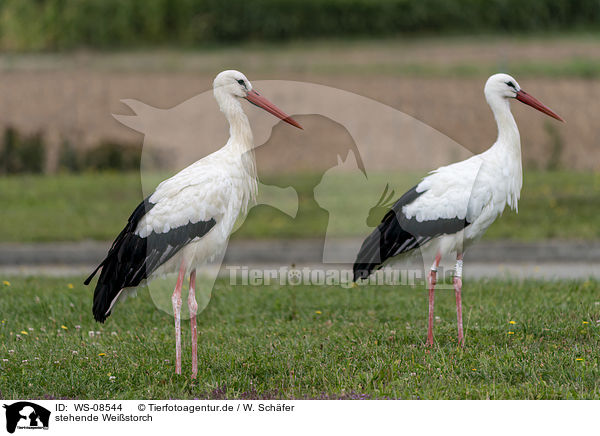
[(523, 97), (256, 99)]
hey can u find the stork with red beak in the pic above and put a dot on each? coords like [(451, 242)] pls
[(189, 217), (453, 206)]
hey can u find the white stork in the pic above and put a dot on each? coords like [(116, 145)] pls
[(454, 205), (189, 217)]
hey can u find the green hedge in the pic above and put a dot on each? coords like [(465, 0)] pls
[(21, 154), (65, 24), (28, 154)]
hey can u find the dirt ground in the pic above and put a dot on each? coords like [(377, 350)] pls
[(73, 96)]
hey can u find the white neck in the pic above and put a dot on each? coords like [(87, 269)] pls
[(241, 144), (508, 133), (240, 133), (507, 148)]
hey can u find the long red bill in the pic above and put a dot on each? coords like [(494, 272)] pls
[(256, 99), (523, 97)]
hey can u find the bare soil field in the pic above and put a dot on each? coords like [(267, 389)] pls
[(72, 96)]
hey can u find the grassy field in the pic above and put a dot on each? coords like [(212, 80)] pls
[(97, 205), (72, 95), (570, 55), (305, 342)]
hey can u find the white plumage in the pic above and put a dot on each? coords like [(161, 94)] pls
[(220, 186), (453, 206), (188, 219)]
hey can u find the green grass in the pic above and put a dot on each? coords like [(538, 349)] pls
[(392, 57), (573, 67), (97, 205), (306, 342), (66, 207)]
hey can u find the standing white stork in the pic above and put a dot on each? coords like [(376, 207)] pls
[(189, 217), (454, 205)]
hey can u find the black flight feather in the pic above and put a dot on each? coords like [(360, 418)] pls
[(398, 234), (132, 258)]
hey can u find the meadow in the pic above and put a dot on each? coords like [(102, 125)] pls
[(524, 340), (68, 207)]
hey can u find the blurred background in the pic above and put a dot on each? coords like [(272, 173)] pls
[(70, 172)]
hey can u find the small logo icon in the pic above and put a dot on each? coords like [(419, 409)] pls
[(26, 415)]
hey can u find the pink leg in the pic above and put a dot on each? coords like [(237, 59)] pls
[(193, 306), (176, 300), (457, 291), (432, 276)]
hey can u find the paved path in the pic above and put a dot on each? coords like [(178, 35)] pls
[(302, 251), (475, 270), (543, 260)]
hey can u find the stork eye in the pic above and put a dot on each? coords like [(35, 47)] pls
[(512, 85), (241, 82)]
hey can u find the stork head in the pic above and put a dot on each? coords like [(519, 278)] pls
[(234, 84), (503, 86)]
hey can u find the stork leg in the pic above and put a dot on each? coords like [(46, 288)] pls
[(432, 278), (457, 291), (193, 306), (176, 300)]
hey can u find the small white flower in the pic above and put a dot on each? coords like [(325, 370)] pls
[(75, 352), (91, 334), (113, 333), (11, 351)]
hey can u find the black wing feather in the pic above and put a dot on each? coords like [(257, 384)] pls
[(132, 258), (398, 234)]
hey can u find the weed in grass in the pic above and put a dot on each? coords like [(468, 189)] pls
[(366, 342)]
